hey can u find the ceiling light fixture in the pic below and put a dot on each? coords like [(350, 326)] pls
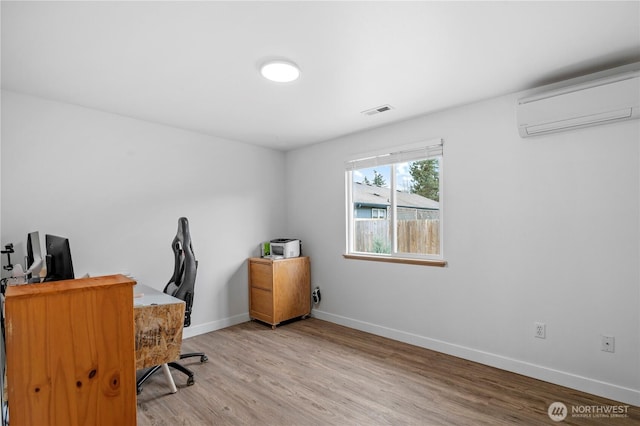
[(280, 71)]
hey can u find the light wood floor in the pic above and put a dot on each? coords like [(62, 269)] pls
[(312, 372)]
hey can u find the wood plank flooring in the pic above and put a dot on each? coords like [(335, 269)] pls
[(312, 372)]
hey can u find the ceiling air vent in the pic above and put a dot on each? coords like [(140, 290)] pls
[(377, 110)]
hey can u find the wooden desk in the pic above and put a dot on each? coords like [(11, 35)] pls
[(158, 320), (70, 352), (73, 347)]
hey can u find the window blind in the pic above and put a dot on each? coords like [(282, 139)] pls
[(421, 153)]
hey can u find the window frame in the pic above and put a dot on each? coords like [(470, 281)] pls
[(392, 157), (380, 213)]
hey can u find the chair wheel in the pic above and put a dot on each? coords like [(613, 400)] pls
[(204, 358), (190, 381)]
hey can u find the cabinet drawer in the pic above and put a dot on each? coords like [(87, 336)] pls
[(260, 275), (261, 302)]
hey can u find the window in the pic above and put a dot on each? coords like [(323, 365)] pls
[(378, 213), (394, 205)]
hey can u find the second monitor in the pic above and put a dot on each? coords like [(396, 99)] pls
[(59, 264)]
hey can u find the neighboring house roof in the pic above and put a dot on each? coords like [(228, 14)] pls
[(371, 195)]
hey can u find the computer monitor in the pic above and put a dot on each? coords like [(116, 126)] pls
[(59, 265), (34, 256)]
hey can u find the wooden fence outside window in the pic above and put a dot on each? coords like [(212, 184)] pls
[(414, 236)]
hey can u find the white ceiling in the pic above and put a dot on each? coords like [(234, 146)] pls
[(194, 65)]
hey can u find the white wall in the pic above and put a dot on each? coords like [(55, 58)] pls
[(542, 229), (116, 186)]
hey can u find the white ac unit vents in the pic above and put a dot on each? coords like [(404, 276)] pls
[(599, 101)]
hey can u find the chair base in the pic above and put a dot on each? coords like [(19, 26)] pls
[(151, 371)]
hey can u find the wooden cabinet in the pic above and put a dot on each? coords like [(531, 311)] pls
[(280, 289), (70, 352)]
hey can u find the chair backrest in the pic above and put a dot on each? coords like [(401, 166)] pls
[(182, 283)]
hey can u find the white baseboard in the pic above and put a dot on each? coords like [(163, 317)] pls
[(584, 384), (214, 325)]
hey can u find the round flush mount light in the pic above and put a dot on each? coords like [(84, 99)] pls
[(280, 71)]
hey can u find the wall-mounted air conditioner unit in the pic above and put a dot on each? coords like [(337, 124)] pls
[(599, 101)]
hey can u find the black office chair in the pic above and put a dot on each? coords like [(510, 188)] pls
[(181, 285)]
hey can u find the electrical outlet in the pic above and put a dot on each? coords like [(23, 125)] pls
[(608, 343), (540, 330)]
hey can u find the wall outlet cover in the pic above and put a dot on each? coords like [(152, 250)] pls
[(608, 343), (540, 330)]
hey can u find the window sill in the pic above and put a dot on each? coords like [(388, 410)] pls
[(405, 260)]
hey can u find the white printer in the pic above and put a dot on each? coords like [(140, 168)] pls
[(286, 247)]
